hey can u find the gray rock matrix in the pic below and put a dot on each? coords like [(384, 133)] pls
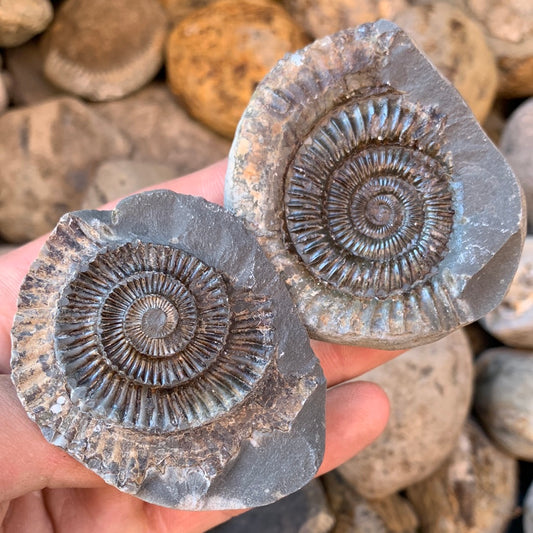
[(157, 345), (369, 184)]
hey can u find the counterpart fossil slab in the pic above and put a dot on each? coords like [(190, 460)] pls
[(372, 188), (156, 344)]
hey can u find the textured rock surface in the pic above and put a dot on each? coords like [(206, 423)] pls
[(355, 514), (162, 132), (217, 56), (20, 20), (429, 389), (103, 50), (528, 511), (323, 17), (473, 492), (504, 389), (515, 145), (115, 179), (165, 354), (512, 321), (29, 85), (177, 9), (47, 155), (305, 511), (444, 32), (391, 215), (509, 28)]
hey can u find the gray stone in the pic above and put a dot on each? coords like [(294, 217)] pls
[(528, 510), (156, 344), (515, 145), (103, 50), (355, 514), (473, 492), (47, 155), (25, 66), (429, 389), (512, 321), (161, 131), (503, 399), (20, 20), (372, 188), (115, 179), (305, 511)]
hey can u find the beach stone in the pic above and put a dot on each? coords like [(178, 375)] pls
[(504, 388), (305, 511), (118, 178), (512, 321), (528, 510), (324, 17), (444, 32), (47, 155), (515, 145), (162, 132), (355, 514), (157, 345), (25, 66), (178, 9), (217, 55), (375, 192), (429, 389), (473, 492), (20, 20), (103, 50), (6, 248), (509, 30)]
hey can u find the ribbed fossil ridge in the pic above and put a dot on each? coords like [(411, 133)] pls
[(374, 192), (163, 355)]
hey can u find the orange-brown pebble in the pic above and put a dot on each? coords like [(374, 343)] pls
[(177, 9), (217, 55), (456, 45)]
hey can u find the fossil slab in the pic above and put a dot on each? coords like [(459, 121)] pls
[(157, 345), (372, 188)]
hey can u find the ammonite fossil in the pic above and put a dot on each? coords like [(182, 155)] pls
[(156, 344), (371, 187)]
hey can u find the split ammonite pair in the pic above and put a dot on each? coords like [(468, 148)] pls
[(157, 343)]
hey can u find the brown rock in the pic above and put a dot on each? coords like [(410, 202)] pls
[(516, 142), (429, 389), (512, 321), (178, 9), (162, 132), (509, 28), (6, 248), (444, 32), (104, 50), (115, 179), (47, 154), (217, 55), (355, 514), (323, 17), (25, 66), (20, 20), (503, 399), (473, 492)]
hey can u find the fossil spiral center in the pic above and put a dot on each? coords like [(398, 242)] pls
[(368, 206), (147, 333)]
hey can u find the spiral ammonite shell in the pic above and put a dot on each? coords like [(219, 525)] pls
[(373, 190), (162, 345)]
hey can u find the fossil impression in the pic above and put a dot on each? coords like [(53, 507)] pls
[(372, 188), (156, 344)]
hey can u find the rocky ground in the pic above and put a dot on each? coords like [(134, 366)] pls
[(99, 98)]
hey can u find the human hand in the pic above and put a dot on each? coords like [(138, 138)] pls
[(43, 489)]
